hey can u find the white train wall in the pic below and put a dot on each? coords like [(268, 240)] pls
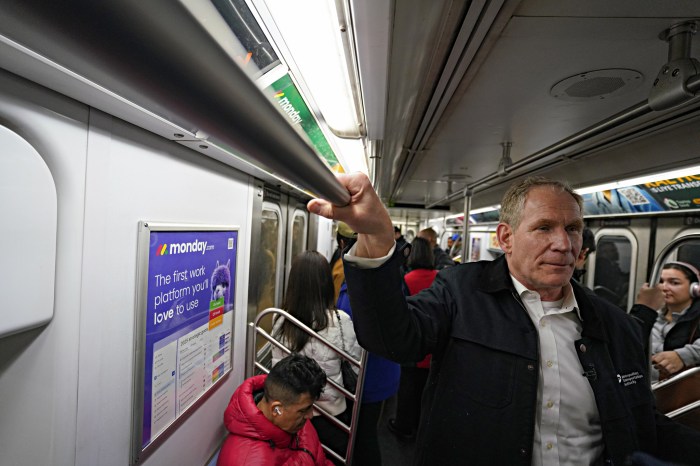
[(66, 386)]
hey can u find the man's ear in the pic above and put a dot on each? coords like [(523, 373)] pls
[(504, 234), (583, 254), (276, 408)]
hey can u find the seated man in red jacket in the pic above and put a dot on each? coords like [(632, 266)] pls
[(267, 416)]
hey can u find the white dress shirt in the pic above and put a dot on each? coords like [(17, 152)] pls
[(567, 424)]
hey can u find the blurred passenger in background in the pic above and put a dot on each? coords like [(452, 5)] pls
[(309, 298), (587, 248), (398, 237), (345, 238), (413, 375), (610, 281), (454, 242), (381, 383), (266, 417), (442, 260), (670, 314)]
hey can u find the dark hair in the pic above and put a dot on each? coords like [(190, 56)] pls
[(687, 271), (421, 255), (397, 229), (292, 377), (588, 240), (344, 244), (310, 293)]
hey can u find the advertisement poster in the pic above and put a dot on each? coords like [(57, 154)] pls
[(676, 193), (292, 104), (476, 250), (188, 321), (658, 196)]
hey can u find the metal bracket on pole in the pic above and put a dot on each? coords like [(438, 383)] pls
[(670, 87), (465, 226), (505, 161)]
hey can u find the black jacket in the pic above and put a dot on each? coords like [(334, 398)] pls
[(679, 335), (480, 400), (441, 258)]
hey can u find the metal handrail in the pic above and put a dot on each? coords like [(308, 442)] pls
[(683, 410), (178, 71), (675, 379), (254, 330)]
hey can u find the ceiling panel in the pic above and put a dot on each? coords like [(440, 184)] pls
[(508, 98)]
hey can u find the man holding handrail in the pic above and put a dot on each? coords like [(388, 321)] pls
[(527, 367)]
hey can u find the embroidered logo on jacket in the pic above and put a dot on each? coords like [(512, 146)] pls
[(629, 379)]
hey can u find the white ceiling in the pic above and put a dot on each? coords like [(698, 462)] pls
[(499, 89)]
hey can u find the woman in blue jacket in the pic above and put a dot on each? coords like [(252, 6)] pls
[(381, 383)]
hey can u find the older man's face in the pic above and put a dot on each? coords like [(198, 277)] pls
[(542, 251)]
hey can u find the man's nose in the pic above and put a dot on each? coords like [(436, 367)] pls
[(561, 240)]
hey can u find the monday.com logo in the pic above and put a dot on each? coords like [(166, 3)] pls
[(181, 248)]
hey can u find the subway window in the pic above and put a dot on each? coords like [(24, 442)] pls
[(297, 236), (271, 259), (615, 260)]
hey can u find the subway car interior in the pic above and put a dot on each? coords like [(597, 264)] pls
[(156, 158)]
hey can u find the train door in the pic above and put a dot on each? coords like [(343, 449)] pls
[(685, 247), (614, 266), (283, 232), (670, 229), (297, 233), (483, 243), (272, 251)]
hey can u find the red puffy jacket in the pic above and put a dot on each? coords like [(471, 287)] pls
[(253, 440)]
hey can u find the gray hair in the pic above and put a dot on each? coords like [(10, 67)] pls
[(513, 201)]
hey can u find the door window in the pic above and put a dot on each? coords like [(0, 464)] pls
[(615, 263)]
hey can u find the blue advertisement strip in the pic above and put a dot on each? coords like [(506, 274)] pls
[(189, 321), (658, 196)]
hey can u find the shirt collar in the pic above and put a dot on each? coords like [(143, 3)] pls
[(568, 304), (674, 315)]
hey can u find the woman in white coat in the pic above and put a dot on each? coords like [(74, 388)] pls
[(310, 299)]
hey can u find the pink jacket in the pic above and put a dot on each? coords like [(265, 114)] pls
[(253, 440)]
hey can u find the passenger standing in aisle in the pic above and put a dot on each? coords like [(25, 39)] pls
[(381, 383), (344, 238), (587, 247), (442, 259), (670, 317), (413, 375), (267, 415), (398, 237), (527, 367), (309, 298)]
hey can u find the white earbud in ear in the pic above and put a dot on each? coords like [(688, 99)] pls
[(277, 411)]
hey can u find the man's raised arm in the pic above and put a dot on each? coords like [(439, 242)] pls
[(365, 214)]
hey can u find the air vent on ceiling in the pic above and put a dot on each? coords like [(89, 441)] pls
[(598, 84)]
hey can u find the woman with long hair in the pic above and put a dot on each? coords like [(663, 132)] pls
[(310, 299), (672, 330)]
